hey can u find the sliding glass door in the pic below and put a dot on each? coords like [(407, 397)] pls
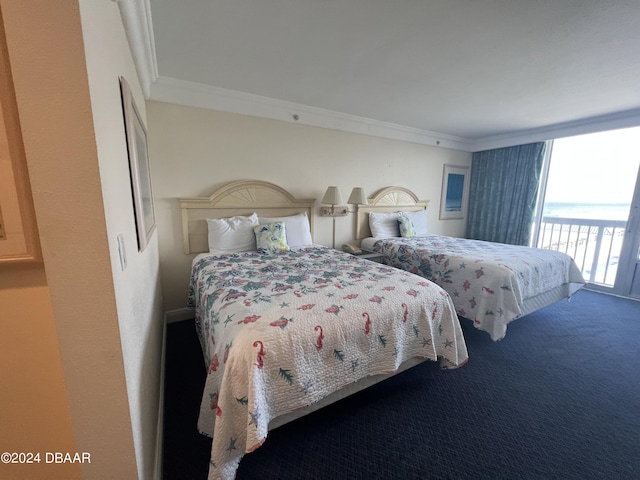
[(590, 210), (628, 278)]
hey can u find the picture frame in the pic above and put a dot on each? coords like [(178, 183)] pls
[(136, 135), (455, 192), (19, 239)]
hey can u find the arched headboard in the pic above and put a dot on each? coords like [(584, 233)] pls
[(242, 197), (389, 199)]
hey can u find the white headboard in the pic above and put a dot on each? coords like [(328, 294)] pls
[(242, 197), (389, 199)]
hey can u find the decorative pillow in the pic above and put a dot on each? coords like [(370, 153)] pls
[(406, 227), (233, 234), (271, 237), (384, 225), (297, 227), (419, 221)]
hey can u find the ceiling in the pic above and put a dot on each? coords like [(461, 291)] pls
[(456, 73)]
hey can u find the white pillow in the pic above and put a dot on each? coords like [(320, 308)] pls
[(297, 228), (384, 225), (233, 234), (419, 221)]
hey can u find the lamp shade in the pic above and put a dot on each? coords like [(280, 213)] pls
[(357, 197), (332, 196)]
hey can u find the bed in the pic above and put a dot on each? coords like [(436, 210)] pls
[(290, 328), (490, 284)]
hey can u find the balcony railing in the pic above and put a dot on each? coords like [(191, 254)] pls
[(594, 244)]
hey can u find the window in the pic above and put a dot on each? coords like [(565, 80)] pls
[(587, 198)]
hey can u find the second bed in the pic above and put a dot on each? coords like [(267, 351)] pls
[(490, 283)]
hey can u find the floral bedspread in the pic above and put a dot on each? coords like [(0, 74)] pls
[(487, 281), (281, 331)]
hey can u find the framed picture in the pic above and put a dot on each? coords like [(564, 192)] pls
[(19, 241), (139, 167), (455, 192)]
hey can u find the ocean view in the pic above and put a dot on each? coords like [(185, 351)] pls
[(591, 182), (594, 211)]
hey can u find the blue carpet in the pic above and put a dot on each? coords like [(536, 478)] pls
[(557, 398)]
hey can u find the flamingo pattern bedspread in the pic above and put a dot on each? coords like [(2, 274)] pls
[(487, 281), (281, 331)]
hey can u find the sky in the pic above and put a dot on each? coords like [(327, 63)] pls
[(595, 168)]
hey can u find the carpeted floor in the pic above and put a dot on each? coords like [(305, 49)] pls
[(558, 398)]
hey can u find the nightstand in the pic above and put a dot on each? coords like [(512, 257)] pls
[(369, 255)]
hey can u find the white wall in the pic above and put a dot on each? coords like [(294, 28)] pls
[(137, 288), (193, 151)]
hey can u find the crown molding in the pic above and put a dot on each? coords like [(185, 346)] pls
[(136, 18), (191, 94), (171, 90), (601, 123)]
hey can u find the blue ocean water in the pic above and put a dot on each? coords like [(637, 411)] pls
[(593, 211)]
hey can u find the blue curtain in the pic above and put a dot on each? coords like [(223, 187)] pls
[(502, 194)]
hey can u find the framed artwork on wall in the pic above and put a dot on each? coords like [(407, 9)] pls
[(19, 241), (455, 192), (139, 167)]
